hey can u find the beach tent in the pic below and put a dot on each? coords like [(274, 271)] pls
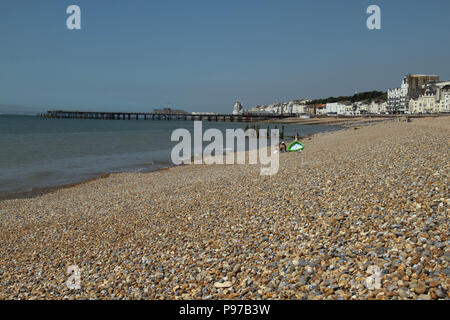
[(295, 146)]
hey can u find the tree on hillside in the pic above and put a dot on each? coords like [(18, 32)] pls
[(369, 96)]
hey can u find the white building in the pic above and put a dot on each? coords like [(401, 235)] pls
[(296, 107), (377, 107), (443, 96), (425, 103), (340, 108), (352, 110), (237, 110), (429, 102), (435, 99), (334, 108), (411, 88), (299, 109), (363, 107), (445, 102), (397, 98)]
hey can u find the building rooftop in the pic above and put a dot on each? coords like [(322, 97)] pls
[(425, 75), (442, 83)]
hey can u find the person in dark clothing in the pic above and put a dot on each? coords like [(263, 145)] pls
[(283, 147)]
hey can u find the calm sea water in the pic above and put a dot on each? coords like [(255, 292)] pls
[(37, 152)]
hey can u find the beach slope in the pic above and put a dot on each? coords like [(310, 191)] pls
[(360, 213)]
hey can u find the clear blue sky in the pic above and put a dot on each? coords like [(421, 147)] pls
[(203, 55)]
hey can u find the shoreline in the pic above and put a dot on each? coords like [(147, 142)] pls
[(36, 192), (39, 191), (343, 124), (350, 120)]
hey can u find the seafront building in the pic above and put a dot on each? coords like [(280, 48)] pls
[(435, 99), (412, 86), (443, 96), (299, 108), (417, 94), (169, 111), (295, 107), (344, 108), (372, 107), (425, 103), (238, 109), (336, 108), (316, 109), (378, 107)]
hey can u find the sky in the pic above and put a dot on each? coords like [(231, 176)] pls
[(204, 55)]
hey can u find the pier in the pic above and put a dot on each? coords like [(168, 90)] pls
[(250, 117)]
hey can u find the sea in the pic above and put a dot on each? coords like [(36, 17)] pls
[(40, 153)]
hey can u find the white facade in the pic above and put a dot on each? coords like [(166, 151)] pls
[(363, 107), (377, 107), (291, 107), (435, 99), (298, 109), (443, 96), (416, 105), (340, 108), (237, 110), (397, 98), (445, 102), (350, 110), (334, 108), (412, 87), (429, 103), (426, 103)]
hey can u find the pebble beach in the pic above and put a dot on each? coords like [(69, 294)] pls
[(361, 203)]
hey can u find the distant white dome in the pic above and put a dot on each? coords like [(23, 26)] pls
[(237, 110)]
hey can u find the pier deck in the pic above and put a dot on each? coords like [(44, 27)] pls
[(251, 117)]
